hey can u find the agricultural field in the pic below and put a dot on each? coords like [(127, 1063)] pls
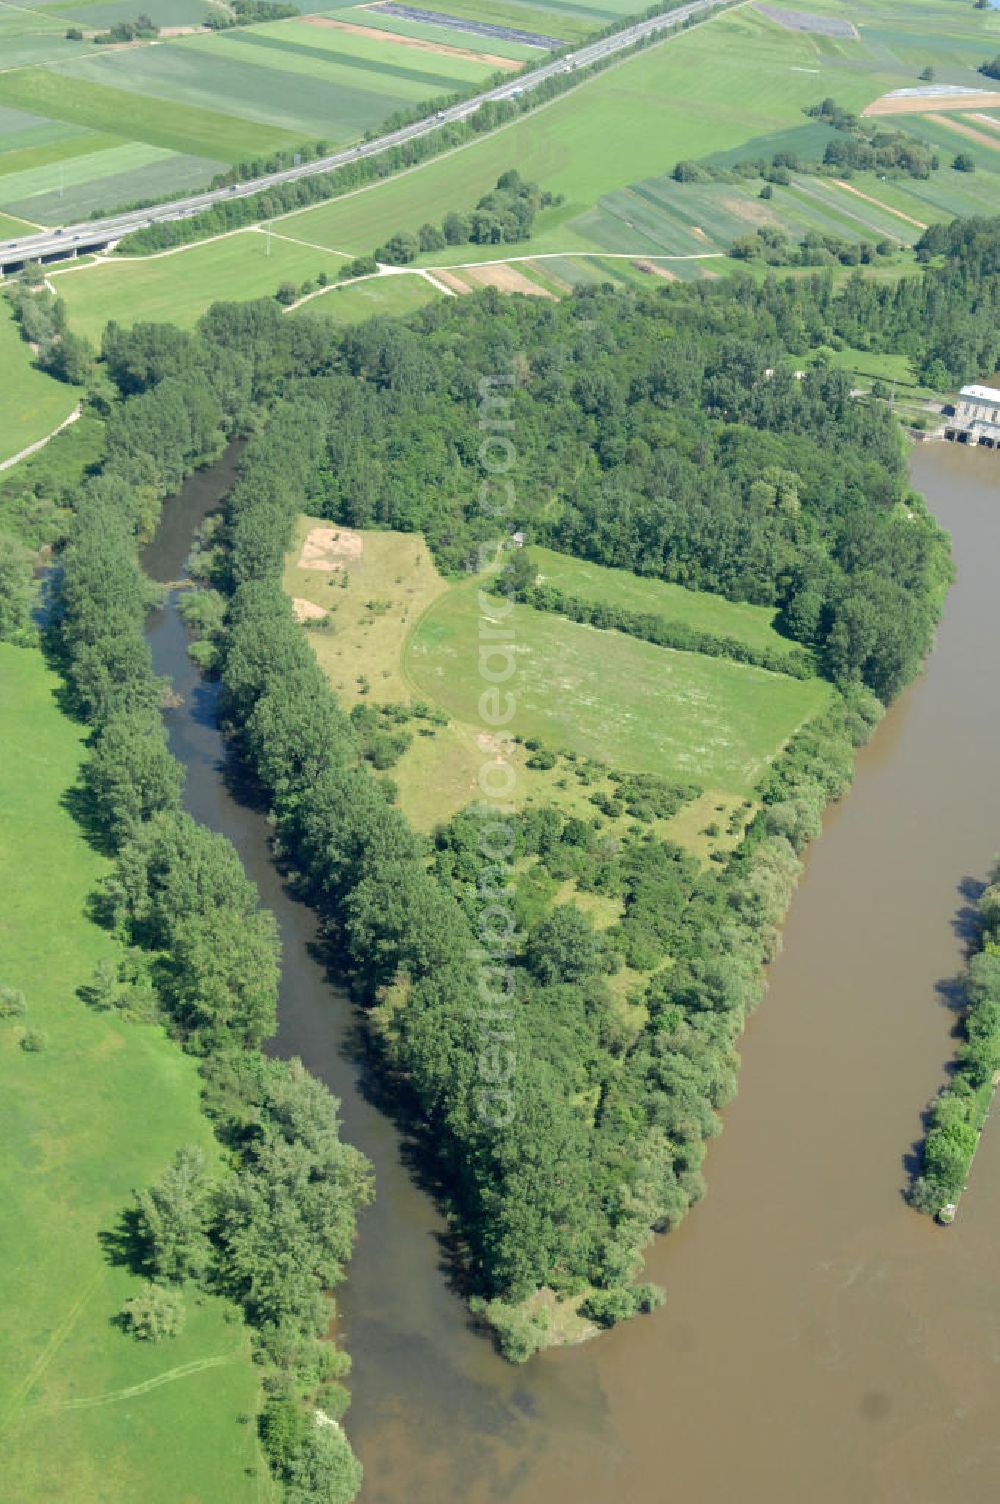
[(178, 286), (397, 632), (86, 1412), (87, 129), (32, 403), (734, 87)]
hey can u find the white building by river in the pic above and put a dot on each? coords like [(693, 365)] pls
[(977, 417)]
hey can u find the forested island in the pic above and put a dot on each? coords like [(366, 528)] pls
[(958, 1114), (667, 435)]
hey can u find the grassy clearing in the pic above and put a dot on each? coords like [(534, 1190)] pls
[(31, 402), (179, 287), (87, 1413), (696, 608), (396, 573), (614, 698), (383, 297), (387, 645)]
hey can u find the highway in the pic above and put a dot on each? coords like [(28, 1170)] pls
[(95, 234)]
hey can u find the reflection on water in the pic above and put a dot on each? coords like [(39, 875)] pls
[(820, 1341)]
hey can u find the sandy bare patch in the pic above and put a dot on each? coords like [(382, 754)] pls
[(422, 44), (506, 279), (989, 120), (849, 188), (306, 610), (451, 279), (181, 31), (924, 104), (657, 271), (331, 548), (971, 134), (699, 233)]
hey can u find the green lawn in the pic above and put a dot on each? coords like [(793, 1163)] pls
[(630, 592), (387, 297), (86, 1413), (177, 288), (31, 403), (601, 694)]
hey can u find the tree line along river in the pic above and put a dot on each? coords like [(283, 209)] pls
[(820, 1340)]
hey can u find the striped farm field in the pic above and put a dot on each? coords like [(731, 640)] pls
[(372, 19)]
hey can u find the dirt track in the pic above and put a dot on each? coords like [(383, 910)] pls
[(443, 49)]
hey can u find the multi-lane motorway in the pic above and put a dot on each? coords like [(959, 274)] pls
[(96, 233)]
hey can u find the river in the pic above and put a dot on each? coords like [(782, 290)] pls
[(820, 1341)]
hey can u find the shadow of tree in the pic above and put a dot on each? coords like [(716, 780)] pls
[(124, 1245)]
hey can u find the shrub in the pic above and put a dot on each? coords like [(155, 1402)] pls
[(34, 1041), (153, 1314), (12, 1003)]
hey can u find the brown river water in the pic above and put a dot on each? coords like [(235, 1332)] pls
[(820, 1342)]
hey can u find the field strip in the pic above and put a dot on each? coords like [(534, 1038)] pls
[(803, 185), (183, 1371), (423, 44), (604, 255), (932, 104), (986, 120), (50, 1349), (968, 131), (849, 188)]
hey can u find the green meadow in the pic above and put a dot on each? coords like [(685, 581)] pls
[(178, 287), (32, 403), (386, 297), (620, 588), (604, 695), (87, 1413)]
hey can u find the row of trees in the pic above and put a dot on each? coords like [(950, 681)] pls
[(42, 319), (273, 1227), (958, 1113)]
